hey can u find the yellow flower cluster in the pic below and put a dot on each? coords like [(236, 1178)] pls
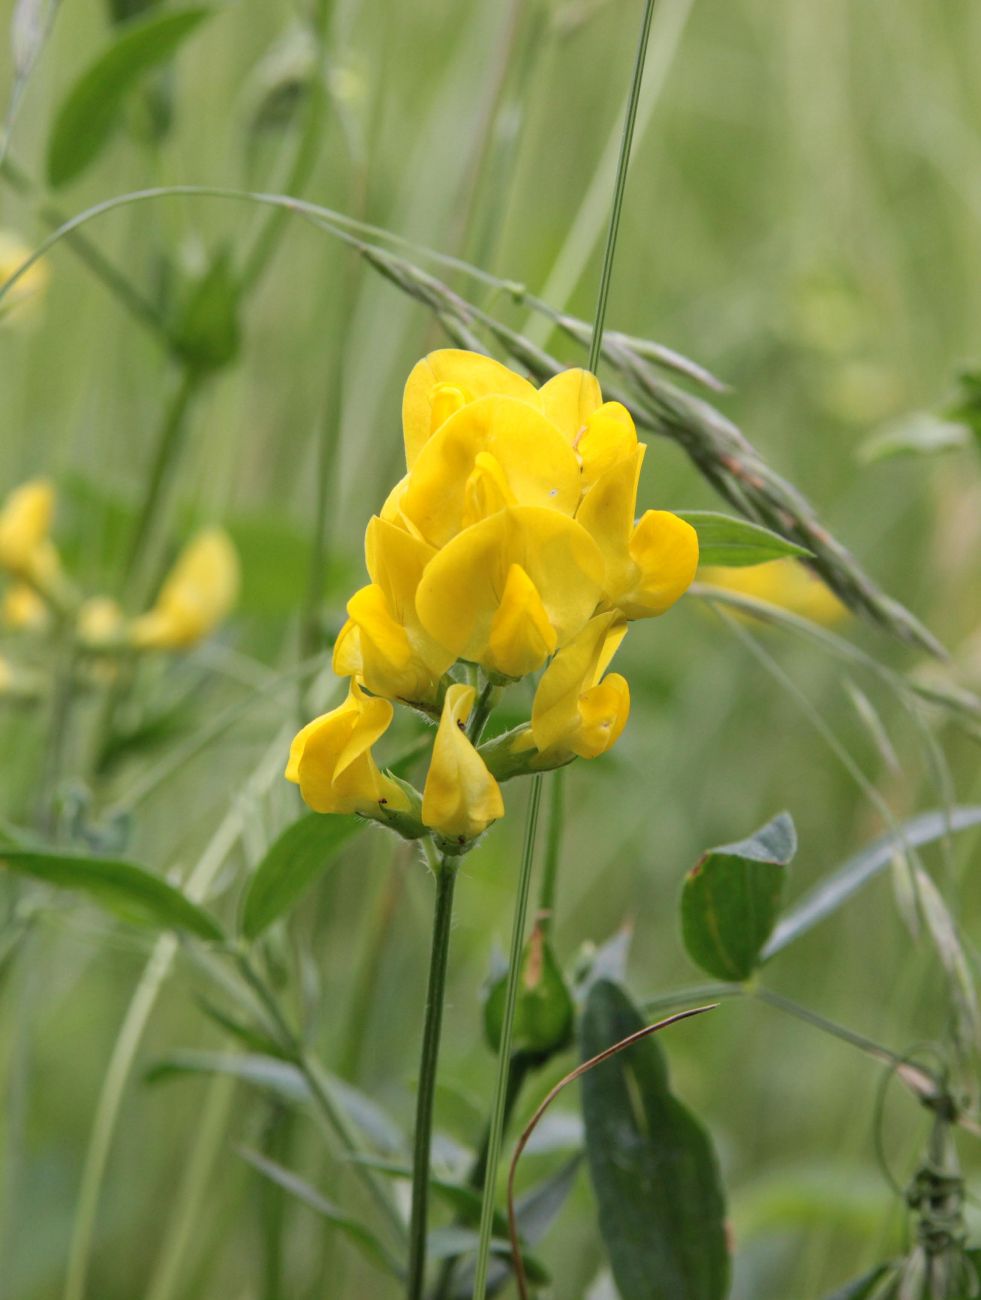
[(195, 598), (511, 545)]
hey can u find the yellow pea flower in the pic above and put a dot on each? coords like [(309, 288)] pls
[(491, 453), (196, 596), (445, 382), (25, 522), (786, 583), (383, 640), (331, 760), (568, 399), (460, 798), (576, 709), (100, 621), (650, 564), (470, 601), (23, 609), (25, 296)]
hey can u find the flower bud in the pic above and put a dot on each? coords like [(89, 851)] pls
[(460, 798)]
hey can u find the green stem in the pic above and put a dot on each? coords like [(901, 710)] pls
[(320, 1090), (426, 1090), (169, 444), (481, 712), (626, 140), (553, 850), (504, 1050)]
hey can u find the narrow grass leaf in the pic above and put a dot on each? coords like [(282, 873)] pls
[(298, 1187), (91, 110), (652, 1165), (867, 1287), (292, 863), (736, 543), (731, 897), (825, 899), (123, 888)]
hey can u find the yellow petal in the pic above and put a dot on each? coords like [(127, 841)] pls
[(22, 608), (347, 659), (463, 586), (23, 298), (537, 465), (521, 637), (25, 521), (664, 550), (569, 399), (331, 760), (486, 490), (197, 595), (384, 653), (607, 514), (426, 403), (100, 620), (557, 718), (603, 713), (609, 438), (460, 798)]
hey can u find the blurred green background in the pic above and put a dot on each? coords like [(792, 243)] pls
[(803, 217)]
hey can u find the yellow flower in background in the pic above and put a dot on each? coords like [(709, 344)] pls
[(22, 609), (197, 595), (6, 676), (576, 709), (331, 760), (21, 303), (25, 522), (460, 798), (100, 621), (785, 583)]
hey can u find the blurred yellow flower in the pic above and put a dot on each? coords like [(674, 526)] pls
[(460, 798), (576, 709), (100, 621), (23, 609), (25, 522), (331, 760), (24, 298), (785, 583), (197, 595)]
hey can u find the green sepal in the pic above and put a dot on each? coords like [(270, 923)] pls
[(544, 1015)]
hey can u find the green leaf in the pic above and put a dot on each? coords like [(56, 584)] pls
[(736, 543), (544, 1012), (967, 405), (292, 863), (298, 1187), (731, 897), (865, 1287), (837, 888), (129, 891), (652, 1165), (920, 434), (286, 1081), (91, 110), (206, 332)]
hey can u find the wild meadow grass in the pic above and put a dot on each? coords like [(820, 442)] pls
[(252, 223)]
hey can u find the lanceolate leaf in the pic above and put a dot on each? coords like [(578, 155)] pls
[(292, 863), (837, 888), (730, 900), (363, 1237), (129, 891), (736, 543), (652, 1165), (89, 113)]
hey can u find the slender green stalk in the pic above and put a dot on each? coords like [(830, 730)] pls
[(553, 851), (426, 1088), (619, 187), (504, 1050)]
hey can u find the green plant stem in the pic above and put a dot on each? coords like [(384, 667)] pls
[(553, 851), (320, 1091), (426, 1088), (619, 187), (496, 1132), (481, 712)]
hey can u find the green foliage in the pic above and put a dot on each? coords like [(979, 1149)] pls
[(724, 540), (90, 111), (205, 332), (291, 864), (653, 1169), (731, 897), (543, 1017), (123, 888), (918, 435)]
